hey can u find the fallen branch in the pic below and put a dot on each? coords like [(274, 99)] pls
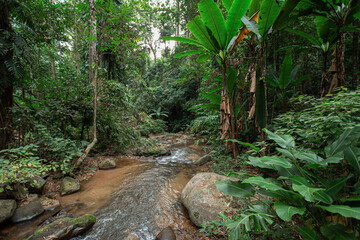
[(84, 155)]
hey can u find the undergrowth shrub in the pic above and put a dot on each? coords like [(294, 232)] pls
[(317, 122), (319, 194), (149, 125), (18, 165)]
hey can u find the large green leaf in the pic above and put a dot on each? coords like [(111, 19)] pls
[(228, 4), (269, 162), (264, 183), (351, 154), (214, 20), (254, 7), (297, 81), (213, 97), (347, 139), (233, 21), (244, 144), (286, 67), (310, 158), (290, 197), (306, 191), (282, 18), (184, 40), (268, 12), (326, 29), (323, 197), (307, 233), (284, 141), (337, 231), (235, 188), (187, 53), (305, 35), (344, 210), (198, 29), (203, 57), (205, 106), (285, 211)]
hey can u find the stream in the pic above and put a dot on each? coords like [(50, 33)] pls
[(134, 201), (139, 198)]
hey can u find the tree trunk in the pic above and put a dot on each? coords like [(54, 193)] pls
[(324, 78), (227, 124), (355, 62), (339, 77), (6, 87), (92, 75)]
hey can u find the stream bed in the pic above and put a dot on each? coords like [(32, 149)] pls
[(139, 198), (134, 201)]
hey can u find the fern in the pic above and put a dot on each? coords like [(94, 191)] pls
[(255, 219)]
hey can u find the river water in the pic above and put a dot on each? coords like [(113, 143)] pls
[(139, 198), (134, 201)]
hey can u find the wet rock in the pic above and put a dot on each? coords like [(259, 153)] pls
[(49, 204), (7, 208), (204, 159), (107, 163), (69, 185), (203, 200), (132, 236), (166, 234), (64, 228), (36, 184), (164, 152), (27, 212)]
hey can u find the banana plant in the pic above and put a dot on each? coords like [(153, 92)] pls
[(286, 81), (341, 14), (214, 36), (326, 37), (304, 187)]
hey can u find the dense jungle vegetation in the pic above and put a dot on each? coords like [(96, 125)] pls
[(270, 85)]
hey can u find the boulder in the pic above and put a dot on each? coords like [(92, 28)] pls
[(7, 208), (166, 234), (203, 200), (69, 185), (27, 212), (107, 163), (64, 228), (36, 184), (204, 159), (49, 204)]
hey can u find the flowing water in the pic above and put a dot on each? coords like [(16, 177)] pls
[(138, 199), (134, 201)]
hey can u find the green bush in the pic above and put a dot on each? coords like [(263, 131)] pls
[(56, 151), (311, 187), (317, 122), (18, 165), (151, 126)]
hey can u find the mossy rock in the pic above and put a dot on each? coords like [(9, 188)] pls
[(69, 185), (64, 228)]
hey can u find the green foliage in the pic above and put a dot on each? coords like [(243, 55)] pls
[(151, 126), (18, 165), (302, 187), (317, 122), (58, 152)]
